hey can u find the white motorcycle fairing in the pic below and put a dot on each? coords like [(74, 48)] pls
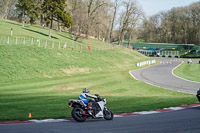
[(102, 105)]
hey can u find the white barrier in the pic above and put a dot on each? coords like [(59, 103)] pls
[(145, 63)]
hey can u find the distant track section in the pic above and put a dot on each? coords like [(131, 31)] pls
[(161, 75)]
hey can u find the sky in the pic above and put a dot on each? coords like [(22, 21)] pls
[(151, 7)]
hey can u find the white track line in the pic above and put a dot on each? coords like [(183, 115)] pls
[(48, 120), (170, 109), (148, 112)]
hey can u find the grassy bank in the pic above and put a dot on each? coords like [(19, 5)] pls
[(189, 71), (41, 80), (49, 98)]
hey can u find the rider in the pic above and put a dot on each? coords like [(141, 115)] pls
[(83, 97), (86, 94)]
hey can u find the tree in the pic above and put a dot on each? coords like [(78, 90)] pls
[(179, 25), (92, 10), (130, 14), (39, 6), (91, 18), (54, 10), (27, 8), (7, 8), (116, 6)]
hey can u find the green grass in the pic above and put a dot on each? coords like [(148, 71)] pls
[(41, 80), (49, 98), (189, 71)]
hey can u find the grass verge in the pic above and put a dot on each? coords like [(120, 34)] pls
[(189, 71), (49, 98)]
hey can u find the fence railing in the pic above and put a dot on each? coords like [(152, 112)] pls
[(72, 45)]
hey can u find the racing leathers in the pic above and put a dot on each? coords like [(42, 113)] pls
[(84, 96)]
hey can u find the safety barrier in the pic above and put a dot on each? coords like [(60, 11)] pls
[(140, 64)]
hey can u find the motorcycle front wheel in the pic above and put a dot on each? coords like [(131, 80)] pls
[(108, 115), (77, 115)]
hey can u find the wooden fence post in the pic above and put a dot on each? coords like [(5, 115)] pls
[(8, 40), (38, 42), (16, 40), (59, 45), (11, 32), (81, 48), (65, 46), (46, 44), (24, 41), (32, 41)]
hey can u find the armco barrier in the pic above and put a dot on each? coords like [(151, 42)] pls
[(145, 63)]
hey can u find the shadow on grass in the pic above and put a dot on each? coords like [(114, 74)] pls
[(40, 33), (71, 38), (66, 37), (14, 23)]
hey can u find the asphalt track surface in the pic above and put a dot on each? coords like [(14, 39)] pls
[(182, 121), (161, 75)]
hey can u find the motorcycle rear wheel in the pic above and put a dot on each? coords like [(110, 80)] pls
[(77, 115), (108, 115)]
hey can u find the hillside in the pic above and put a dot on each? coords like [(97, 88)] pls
[(25, 61), (39, 80)]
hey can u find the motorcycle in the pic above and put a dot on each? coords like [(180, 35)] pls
[(198, 95), (95, 109)]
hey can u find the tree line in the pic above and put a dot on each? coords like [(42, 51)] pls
[(107, 20), (179, 25), (45, 11)]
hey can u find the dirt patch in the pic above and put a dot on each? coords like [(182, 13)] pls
[(47, 76), (75, 70), (61, 88), (59, 54)]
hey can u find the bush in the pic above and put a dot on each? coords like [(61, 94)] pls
[(176, 57), (169, 56), (163, 56)]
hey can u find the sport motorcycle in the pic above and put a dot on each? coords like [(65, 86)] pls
[(94, 109)]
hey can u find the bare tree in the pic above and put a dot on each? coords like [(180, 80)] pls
[(93, 7), (7, 8), (179, 25), (90, 17), (116, 6), (131, 13)]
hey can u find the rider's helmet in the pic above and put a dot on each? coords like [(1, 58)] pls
[(86, 90)]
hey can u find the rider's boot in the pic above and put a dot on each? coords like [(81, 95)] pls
[(89, 108), (90, 112)]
